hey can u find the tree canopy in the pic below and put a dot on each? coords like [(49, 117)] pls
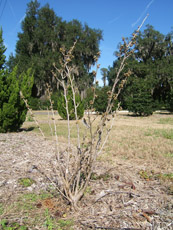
[(38, 46), (152, 71)]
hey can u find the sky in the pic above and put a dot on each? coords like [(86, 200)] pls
[(116, 18)]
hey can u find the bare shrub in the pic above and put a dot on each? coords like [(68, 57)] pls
[(75, 163)]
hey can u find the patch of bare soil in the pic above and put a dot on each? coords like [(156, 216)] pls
[(117, 198)]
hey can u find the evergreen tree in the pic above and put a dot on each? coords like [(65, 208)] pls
[(101, 100), (139, 100), (2, 52), (104, 73), (153, 62), (42, 36), (12, 108)]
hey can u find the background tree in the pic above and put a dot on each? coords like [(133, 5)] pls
[(101, 100), (2, 52), (12, 108), (104, 73), (151, 63), (139, 100), (42, 36), (71, 109)]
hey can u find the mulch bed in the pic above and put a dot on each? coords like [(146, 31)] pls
[(117, 197)]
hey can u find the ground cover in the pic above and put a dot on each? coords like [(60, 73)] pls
[(131, 186)]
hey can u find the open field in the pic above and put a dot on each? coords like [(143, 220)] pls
[(131, 186)]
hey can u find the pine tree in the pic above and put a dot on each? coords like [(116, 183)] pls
[(12, 108), (2, 51), (139, 100)]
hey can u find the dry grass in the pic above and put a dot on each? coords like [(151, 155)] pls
[(145, 141)]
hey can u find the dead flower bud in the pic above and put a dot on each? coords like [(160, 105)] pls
[(128, 73), (68, 59), (61, 50), (121, 47), (123, 81), (95, 58), (121, 85), (91, 103), (115, 97), (109, 93), (94, 73), (98, 66), (97, 82)]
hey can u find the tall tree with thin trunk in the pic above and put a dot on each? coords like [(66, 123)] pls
[(104, 73)]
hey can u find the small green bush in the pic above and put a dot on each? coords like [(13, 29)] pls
[(101, 100), (34, 103), (139, 100), (38, 104), (62, 106), (12, 108)]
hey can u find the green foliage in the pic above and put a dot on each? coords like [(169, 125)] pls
[(170, 101), (88, 98), (49, 222), (26, 182), (152, 65), (12, 108), (101, 100), (38, 103), (104, 73), (140, 99), (39, 43), (65, 224), (2, 51), (167, 134), (5, 225), (71, 109)]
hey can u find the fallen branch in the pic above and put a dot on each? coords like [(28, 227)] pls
[(113, 193)]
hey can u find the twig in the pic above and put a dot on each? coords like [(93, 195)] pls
[(30, 110), (112, 193)]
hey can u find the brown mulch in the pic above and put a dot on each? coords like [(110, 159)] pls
[(120, 200)]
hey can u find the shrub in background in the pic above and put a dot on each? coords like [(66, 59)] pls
[(170, 101), (12, 108), (34, 103), (139, 100), (62, 105), (101, 101)]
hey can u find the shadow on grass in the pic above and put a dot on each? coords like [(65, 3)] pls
[(29, 129)]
